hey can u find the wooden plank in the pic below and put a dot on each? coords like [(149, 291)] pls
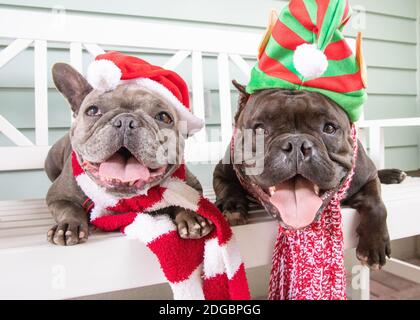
[(380, 290), (198, 91), (41, 93), (13, 134), (241, 64), (176, 59), (93, 49), (97, 29), (76, 57), (23, 158), (391, 281), (377, 146), (403, 269), (225, 98), (12, 50)]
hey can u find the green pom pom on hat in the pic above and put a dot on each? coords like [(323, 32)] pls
[(304, 49)]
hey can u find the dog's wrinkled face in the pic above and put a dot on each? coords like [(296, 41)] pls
[(124, 139), (307, 151)]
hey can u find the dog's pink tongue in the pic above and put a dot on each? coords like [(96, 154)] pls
[(117, 167), (296, 202)]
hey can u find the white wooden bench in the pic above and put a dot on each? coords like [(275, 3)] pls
[(32, 268)]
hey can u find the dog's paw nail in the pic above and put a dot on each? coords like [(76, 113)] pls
[(68, 233), (375, 267), (81, 234), (203, 223), (50, 233), (60, 232)]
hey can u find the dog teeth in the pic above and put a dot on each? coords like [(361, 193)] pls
[(131, 183), (316, 189), (272, 190)]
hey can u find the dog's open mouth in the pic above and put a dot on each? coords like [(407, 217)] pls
[(297, 200), (123, 170)]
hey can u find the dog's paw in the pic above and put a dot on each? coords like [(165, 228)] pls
[(191, 225), (391, 176), (373, 250), (235, 218), (68, 233)]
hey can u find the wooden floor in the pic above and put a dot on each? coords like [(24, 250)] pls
[(386, 286)]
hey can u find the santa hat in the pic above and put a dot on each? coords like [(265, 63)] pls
[(304, 49), (114, 68)]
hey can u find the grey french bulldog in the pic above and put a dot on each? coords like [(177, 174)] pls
[(117, 126), (307, 153)]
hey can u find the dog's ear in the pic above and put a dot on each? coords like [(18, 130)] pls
[(243, 98), (71, 84)]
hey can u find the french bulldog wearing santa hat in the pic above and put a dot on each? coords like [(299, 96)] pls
[(130, 122)]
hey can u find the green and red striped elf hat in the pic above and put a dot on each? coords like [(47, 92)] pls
[(304, 49)]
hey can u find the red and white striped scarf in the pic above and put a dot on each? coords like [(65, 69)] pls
[(308, 264), (207, 268)]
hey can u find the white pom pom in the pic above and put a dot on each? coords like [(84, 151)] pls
[(309, 61), (103, 75)]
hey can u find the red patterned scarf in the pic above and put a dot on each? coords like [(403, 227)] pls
[(207, 268)]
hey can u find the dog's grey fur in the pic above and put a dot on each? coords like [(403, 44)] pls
[(126, 119)]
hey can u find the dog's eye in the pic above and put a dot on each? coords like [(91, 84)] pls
[(329, 128), (164, 117), (93, 111), (259, 129)]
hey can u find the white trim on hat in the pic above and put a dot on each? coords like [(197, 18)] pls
[(194, 123), (104, 75)]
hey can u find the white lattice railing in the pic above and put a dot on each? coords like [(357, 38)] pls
[(80, 32)]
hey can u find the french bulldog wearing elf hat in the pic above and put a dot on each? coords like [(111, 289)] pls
[(121, 168), (305, 94)]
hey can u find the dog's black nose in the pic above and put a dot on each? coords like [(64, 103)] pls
[(125, 122), (297, 144)]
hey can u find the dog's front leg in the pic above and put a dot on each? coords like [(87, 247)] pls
[(231, 198), (374, 243), (71, 225)]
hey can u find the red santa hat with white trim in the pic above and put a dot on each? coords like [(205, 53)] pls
[(114, 68)]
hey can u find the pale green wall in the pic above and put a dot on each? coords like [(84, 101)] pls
[(390, 49)]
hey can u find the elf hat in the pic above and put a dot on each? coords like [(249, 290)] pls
[(304, 49), (114, 68)]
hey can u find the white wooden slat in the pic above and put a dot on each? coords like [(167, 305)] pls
[(13, 134), (176, 59), (226, 120), (76, 56), (377, 146), (386, 123), (93, 49), (403, 269), (41, 93), (5, 225), (241, 64), (13, 49), (97, 29), (23, 158), (198, 91), (28, 217)]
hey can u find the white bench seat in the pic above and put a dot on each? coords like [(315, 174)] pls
[(33, 268)]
